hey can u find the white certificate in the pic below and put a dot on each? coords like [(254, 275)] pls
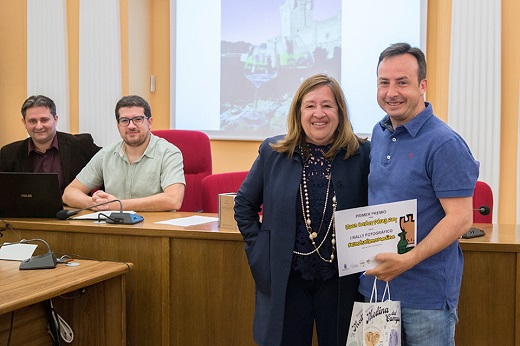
[(362, 233)]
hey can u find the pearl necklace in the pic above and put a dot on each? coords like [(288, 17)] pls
[(307, 217)]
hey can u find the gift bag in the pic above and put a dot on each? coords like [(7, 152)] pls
[(375, 323)]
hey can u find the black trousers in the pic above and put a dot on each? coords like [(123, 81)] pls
[(307, 302), (326, 303)]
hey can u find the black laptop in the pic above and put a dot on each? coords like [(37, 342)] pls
[(29, 195)]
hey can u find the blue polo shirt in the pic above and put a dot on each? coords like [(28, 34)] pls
[(423, 159)]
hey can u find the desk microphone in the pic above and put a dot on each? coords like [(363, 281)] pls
[(483, 210), (476, 232), (124, 218), (65, 214), (115, 217), (45, 261)]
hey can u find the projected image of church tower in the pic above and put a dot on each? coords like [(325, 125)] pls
[(259, 78)]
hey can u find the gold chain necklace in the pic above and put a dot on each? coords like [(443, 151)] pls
[(307, 217)]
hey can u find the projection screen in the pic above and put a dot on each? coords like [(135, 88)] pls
[(236, 64)]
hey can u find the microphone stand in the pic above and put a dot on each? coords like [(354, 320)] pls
[(65, 214), (114, 217), (477, 232), (122, 217), (44, 261)]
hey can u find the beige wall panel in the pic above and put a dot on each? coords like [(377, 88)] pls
[(13, 67)]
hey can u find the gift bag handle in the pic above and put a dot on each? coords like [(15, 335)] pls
[(386, 293), (373, 296)]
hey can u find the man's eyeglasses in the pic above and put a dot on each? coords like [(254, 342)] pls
[(138, 120)]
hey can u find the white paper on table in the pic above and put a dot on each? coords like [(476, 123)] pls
[(188, 221), (17, 252), (100, 215), (362, 233)]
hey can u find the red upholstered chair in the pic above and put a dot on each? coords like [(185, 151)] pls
[(196, 153), (482, 198), (215, 184)]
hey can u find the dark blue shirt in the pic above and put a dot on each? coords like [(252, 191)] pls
[(423, 159)]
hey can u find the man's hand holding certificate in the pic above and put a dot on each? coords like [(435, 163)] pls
[(362, 233)]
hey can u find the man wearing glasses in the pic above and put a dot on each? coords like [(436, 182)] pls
[(47, 150), (143, 171)]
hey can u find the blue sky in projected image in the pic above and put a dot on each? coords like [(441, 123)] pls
[(257, 21)]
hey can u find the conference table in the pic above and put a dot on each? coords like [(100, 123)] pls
[(88, 295), (192, 285)]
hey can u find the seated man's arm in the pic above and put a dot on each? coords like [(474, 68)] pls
[(76, 195), (170, 199)]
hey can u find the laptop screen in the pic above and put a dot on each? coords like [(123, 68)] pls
[(29, 195)]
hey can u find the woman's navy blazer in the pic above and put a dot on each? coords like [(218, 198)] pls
[(273, 182)]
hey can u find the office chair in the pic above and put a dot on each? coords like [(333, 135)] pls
[(215, 184), (482, 203), (196, 153)]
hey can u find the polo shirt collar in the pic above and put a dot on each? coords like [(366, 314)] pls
[(150, 149), (414, 125), (149, 152)]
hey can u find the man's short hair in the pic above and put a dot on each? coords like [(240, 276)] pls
[(38, 101), (404, 48), (133, 101)]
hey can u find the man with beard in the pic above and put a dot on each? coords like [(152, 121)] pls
[(47, 150), (143, 171)]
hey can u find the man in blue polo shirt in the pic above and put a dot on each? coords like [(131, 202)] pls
[(415, 155)]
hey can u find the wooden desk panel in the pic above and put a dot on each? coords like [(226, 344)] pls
[(214, 293), (90, 297), (489, 305), (178, 275)]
